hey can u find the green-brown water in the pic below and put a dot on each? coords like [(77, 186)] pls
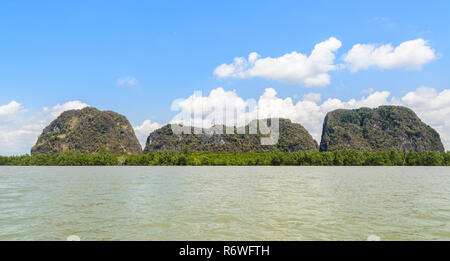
[(224, 203)]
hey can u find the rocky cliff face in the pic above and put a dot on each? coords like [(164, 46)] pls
[(378, 129), (292, 137), (88, 131)]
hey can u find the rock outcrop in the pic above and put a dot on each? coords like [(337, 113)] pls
[(292, 137), (379, 129), (88, 131)]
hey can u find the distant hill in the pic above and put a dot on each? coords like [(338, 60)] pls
[(88, 131), (378, 129), (292, 137)]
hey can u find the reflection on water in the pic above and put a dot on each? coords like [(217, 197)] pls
[(224, 203)]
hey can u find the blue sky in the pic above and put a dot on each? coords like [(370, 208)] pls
[(53, 52)]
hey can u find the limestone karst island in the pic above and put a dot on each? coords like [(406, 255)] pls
[(387, 135)]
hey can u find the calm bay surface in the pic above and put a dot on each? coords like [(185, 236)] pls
[(225, 203)]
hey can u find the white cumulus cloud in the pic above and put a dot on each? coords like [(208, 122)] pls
[(19, 132), (142, 131), (292, 67), (433, 108), (10, 109), (71, 105), (410, 55)]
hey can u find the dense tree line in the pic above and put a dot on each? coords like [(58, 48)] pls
[(277, 158)]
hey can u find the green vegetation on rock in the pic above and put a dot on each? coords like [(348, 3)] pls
[(88, 131), (292, 137), (379, 129)]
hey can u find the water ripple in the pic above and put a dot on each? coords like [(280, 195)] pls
[(224, 203)]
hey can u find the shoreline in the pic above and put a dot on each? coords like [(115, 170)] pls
[(277, 158)]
